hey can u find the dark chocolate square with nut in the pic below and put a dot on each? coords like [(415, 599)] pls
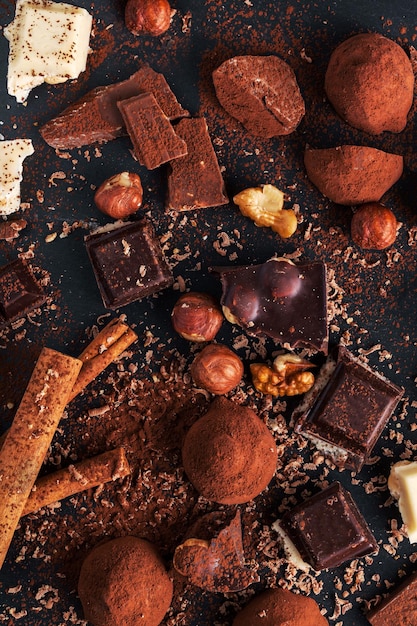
[(328, 529), (20, 292), (346, 410), (128, 263)]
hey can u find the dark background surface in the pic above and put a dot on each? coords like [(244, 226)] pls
[(379, 301)]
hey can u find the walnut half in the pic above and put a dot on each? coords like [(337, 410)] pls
[(264, 205)]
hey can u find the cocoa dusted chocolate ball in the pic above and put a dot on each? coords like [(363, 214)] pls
[(229, 454), (370, 83), (123, 582), (279, 607)]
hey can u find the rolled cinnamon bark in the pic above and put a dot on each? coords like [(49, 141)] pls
[(30, 435)]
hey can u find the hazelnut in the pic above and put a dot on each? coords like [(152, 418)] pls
[(217, 369), (148, 17), (197, 317), (119, 196), (374, 226)]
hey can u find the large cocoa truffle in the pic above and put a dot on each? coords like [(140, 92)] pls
[(261, 92), (123, 582), (278, 607), (352, 174), (229, 454), (370, 83)]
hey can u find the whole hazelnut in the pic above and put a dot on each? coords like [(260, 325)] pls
[(217, 369), (197, 317), (374, 226), (119, 196), (148, 17)]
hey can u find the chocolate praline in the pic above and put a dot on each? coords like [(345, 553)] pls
[(279, 607)]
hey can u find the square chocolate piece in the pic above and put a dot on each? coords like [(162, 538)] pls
[(328, 529), (128, 263), (399, 607), (346, 410), (20, 293)]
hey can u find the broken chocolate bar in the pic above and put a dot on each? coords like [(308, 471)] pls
[(399, 607), (195, 180), (152, 134), (95, 118), (20, 293), (128, 262), (346, 410), (278, 299), (328, 529)]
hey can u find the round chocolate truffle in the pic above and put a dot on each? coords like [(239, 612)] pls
[(370, 83), (229, 454), (123, 582), (278, 607), (261, 92)]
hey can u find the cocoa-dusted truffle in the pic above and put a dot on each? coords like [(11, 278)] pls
[(279, 607), (370, 83), (123, 582), (352, 174), (229, 454), (261, 92)]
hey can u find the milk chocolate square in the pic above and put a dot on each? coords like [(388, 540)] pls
[(128, 263), (346, 410), (20, 293), (328, 529), (399, 607)]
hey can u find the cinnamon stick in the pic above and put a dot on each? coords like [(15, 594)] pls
[(78, 477), (30, 435)]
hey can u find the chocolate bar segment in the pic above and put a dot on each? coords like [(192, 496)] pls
[(195, 180), (128, 263), (399, 607), (328, 529), (346, 410), (279, 299), (20, 293), (95, 118), (152, 134)]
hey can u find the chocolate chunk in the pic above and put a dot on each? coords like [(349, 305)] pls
[(20, 293), (128, 263), (153, 137), (328, 529), (346, 410), (279, 299), (399, 607), (195, 180), (96, 117), (261, 92)]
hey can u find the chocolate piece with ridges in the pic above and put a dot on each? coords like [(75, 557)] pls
[(95, 118), (195, 180), (152, 134), (20, 293), (128, 263), (399, 607)]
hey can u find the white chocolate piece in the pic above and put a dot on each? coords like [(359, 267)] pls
[(402, 483), (12, 155), (49, 42)]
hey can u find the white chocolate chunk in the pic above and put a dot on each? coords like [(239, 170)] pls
[(49, 42), (402, 483), (12, 155)]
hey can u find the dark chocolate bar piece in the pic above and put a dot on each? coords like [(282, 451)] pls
[(346, 410), (20, 293), (328, 529), (195, 180), (95, 118), (399, 607), (128, 263), (152, 134), (279, 299)]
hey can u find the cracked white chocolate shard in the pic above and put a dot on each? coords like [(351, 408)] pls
[(402, 483), (48, 42), (12, 155)]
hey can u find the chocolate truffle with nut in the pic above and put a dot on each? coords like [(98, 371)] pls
[(370, 83), (279, 607), (124, 582), (229, 454)]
